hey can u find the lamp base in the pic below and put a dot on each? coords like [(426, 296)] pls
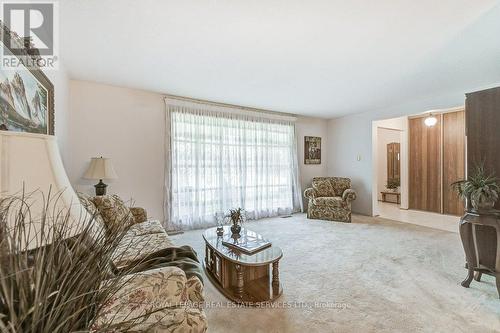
[(100, 188)]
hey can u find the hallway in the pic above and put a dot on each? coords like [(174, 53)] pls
[(433, 220)]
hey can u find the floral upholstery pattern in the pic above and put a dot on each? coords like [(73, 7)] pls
[(194, 289), (114, 212), (91, 215), (330, 199), (153, 301), (145, 228), (310, 193), (139, 214), (340, 184), (133, 248), (163, 298), (349, 195), (323, 187)]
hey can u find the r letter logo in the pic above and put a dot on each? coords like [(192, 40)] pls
[(33, 30)]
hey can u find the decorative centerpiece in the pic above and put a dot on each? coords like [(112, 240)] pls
[(393, 184), (237, 217), (482, 189)]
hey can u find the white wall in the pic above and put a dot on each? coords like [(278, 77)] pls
[(351, 136), (127, 125), (60, 80), (384, 137), (307, 126)]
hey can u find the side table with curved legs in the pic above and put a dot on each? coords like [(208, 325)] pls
[(480, 234)]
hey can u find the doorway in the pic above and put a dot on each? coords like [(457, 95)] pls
[(390, 158), (414, 175)]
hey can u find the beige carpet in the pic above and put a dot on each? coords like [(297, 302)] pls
[(373, 275)]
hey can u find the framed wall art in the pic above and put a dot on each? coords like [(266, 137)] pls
[(312, 150), (26, 94)]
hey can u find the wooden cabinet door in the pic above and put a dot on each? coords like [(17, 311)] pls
[(425, 165), (482, 112), (453, 160)]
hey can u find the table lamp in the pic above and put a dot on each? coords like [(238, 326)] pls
[(100, 168)]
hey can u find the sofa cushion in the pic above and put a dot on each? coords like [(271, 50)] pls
[(143, 293), (329, 201), (194, 288), (132, 248), (145, 228), (114, 212), (323, 187), (139, 214), (91, 215), (182, 318), (340, 184)]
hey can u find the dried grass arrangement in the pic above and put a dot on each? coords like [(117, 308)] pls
[(58, 286)]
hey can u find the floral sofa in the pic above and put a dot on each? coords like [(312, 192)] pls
[(158, 300), (330, 198)]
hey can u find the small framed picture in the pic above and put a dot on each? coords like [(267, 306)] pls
[(312, 150)]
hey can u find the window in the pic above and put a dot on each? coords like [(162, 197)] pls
[(222, 161)]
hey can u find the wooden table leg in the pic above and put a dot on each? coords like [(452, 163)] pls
[(207, 256), (239, 281), (497, 278), (467, 241), (497, 264), (276, 278), (477, 276)]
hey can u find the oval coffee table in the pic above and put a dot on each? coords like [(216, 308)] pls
[(243, 278)]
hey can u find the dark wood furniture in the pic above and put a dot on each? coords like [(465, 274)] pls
[(480, 234), (243, 278), (482, 113), (395, 194)]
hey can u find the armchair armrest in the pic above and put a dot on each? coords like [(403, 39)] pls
[(140, 215), (310, 193), (141, 294), (349, 195)]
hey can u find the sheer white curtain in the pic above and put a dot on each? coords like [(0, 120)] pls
[(222, 159)]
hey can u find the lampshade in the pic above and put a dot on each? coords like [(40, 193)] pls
[(30, 163), (100, 168)]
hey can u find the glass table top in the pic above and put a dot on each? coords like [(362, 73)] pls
[(264, 256)]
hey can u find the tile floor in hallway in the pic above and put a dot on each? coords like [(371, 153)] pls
[(433, 220)]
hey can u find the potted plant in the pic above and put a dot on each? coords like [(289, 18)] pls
[(393, 184), (237, 217), (60, 280), (480, 188)]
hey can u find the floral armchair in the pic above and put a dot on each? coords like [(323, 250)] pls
[(330, 199)]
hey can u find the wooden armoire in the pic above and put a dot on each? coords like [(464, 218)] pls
[(437, 159), (483, 130)]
